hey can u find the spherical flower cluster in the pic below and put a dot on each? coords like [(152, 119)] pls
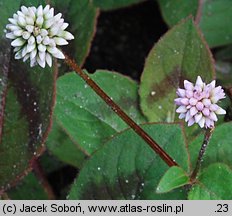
[(197, 104), (36, 32)]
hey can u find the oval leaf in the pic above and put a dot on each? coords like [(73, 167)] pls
[(181, 54), (174, 178), (85, 116), (127, 168), (26, 109)]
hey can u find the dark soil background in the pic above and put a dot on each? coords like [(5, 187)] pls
[(122, 42), (124, 38)]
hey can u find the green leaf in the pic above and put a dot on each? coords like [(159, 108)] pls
[(215, 20), (213, 183), (114, 4), (127, 168), (85, 117), (27, 98), (174, 178), (30, 188), (180, 54), (219, 148), (175, 10), (82, 17), (63, 147), (7, 9), (30, 3)]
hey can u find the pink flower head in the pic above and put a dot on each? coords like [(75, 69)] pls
[(197, 103)]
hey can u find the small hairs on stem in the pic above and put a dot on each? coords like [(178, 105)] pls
[(208, 134)]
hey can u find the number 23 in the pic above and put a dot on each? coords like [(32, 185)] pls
[(222, 208)]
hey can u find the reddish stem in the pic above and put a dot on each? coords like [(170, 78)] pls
[(199, 11), (208, 134), (166, 158)]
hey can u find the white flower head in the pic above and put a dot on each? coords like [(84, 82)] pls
[(197, 103), (36, 32)]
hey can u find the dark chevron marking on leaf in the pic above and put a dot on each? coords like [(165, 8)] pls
[(27, 95), (14, 117), (173, 80), (27, 119), (180, 54), (4, 61), (120, 190), (126, 168)]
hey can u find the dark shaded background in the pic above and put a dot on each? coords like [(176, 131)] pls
[(124, 38)]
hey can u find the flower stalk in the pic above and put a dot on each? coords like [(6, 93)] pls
[(166, 158), (207, 137)]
